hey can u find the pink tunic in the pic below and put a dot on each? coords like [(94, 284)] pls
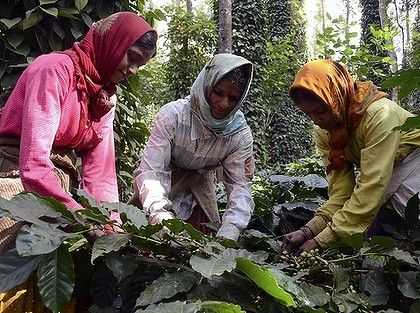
[(44, 111)]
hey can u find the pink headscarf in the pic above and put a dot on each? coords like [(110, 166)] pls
[(97, 56)]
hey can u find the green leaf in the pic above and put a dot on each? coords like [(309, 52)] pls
[(265, 279), (22, 50), (56, 279), (55, 41), (212, 266), (412, 212), (10, 23), (415, 308), (32, 19), (80, 4), (410, 124), (69, 13), (220, 307), (37, 240), (348, 303), (86, 200), (3, 67), (401, 255), (174, 225), (15, 38), (76, 31), (45, 2), (222, 260), (15, 269), (59, 207), (122, 266), (288, 284), (8, 81), (407, 80), (77, 243), (408, 284), (108, 243), (87, 19), (172, 307), (194, 232), (50, 11), (96, 309), (316, 295), (167, 286), (128, 213), (341, 277), (28, 207), (375, 286)]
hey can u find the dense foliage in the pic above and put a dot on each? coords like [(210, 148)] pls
[(271, 34), (371, 18), (191, 41), (174, 268)]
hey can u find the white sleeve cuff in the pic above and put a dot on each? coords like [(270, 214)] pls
[(229, 231)]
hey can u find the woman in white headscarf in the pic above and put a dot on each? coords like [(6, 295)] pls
[(192, 137)]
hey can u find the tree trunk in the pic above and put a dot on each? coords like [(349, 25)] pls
[(225, 26), (189, 6), (322, 12), (383, 5), (397, 19), (348, 12), (407, 22)]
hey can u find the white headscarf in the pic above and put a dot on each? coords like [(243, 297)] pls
[(210, 75)]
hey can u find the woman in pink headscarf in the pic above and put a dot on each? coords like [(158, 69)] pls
[(63, 105)]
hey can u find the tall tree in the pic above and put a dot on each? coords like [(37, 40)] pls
[(348, 14), (249, 23), (288, 138), (385, 22), (189, 6), (414, 57), (225, 26), (372, 18)]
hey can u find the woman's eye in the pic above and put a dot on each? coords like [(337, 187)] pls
[(233, 100), (217, 92)]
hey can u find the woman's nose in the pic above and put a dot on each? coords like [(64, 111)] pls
[(224, 102), (132, 70)]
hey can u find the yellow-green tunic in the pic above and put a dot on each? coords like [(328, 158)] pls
[(374, 148)]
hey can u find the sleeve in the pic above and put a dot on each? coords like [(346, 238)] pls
[(237, 181), (99, 176), (340, 187), (45, 90), (377, 158), (152, 181)]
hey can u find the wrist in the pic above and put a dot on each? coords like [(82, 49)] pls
[(307, 233)]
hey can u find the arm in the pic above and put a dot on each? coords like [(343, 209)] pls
[(236, 178), (376, 166), (45, 90), (99, 176), (340, 187), (152, 181)]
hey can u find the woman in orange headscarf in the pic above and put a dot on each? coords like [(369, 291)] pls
[(354, 130)]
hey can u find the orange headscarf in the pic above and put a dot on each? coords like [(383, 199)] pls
[(348, 100)]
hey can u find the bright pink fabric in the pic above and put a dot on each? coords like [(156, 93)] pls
[(45, 112)]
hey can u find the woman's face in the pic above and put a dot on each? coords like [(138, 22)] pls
[(223, 98), (317, 110), (134, 58)]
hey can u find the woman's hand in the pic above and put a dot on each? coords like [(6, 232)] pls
[(158, 218), (292, 241), (309, 245)]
